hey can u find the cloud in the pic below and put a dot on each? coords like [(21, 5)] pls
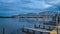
[(13, 7), (36, 4), (53, 2), (55, 5), (28, 3)]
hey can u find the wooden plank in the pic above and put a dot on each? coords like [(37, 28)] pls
[(40, 30)]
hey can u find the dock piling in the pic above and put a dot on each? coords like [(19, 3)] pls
[(3, 31), (23, 29), (33, 32)]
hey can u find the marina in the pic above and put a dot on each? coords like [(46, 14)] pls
[(30, 25), (42, 30), (29, 16)]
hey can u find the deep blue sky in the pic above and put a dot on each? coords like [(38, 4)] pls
[(15, 7)]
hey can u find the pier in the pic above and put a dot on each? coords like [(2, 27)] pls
[(34, 30)]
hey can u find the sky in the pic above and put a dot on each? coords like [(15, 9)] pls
[(15, 7)]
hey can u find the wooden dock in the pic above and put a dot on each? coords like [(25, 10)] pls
[(27, 29), (40, 30)]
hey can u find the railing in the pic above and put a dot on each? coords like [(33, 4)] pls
[(47, 27)]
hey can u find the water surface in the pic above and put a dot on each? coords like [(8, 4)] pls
[(13, 25)]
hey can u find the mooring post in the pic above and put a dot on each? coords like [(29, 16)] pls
[(49, 28), (27, 31), (33, 32), (39, 26), (40, 32), (35, 26), (23, 28), (3, 31), (48, 33), (43, 27)]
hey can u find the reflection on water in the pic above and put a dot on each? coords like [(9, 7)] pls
[(13, 25)]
